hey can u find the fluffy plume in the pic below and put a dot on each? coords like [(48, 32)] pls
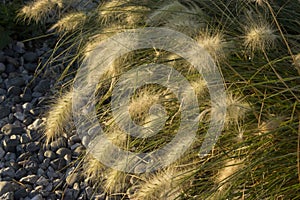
[(259, 35), (40, 10), (166, 184), (70, 22), (59, 115), (213, 43)]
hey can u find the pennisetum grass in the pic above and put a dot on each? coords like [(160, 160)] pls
[(256, 47)]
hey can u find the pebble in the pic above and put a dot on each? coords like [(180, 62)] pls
[(4, 111), (2, 152), (7, 186), (14, 91), (10, 129), (8, 171), (29, 179), (30, 56), (61, 152), (50, 154), (42, 86), (2, 67), (37, 197), (72, 178), (7, 196)]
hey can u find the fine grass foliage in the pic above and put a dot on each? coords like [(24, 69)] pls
[(255, 45)]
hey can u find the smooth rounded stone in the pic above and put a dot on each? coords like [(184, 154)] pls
[(7, 196), (4, 111), (2, 67), (49, 187), (71, 194), (74, 139), (59, 143), (2, 91), (2, 152), (42, 87), (7, 186), (37, 94), (12, 61), (86, 140), (89, 192), (14, 91), (26, 97), (72, 178), (40, 172), (29, 179), (27, 106), (8, 171), (24, 138), (74, 146), (23, 156), (49, 154), (30, 56), (42, 181), (68, 158), (10, 68), (58, 163), (11, 118), (10, 129), (33, 146), (16, 81), (37, 197), (27, 121), (20, 173), (21, 193), (38, 123), (57, 183), (45, 164), (31, 166), (19, 116), (19, 47), (2, 99), (10, 145), (30, 67), (61, 152), (79, 151)]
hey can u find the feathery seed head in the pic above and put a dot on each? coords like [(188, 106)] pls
[(161, 15), (59, 115), (166, 184), (259, 36), (230, 167), (213, 43), (70, 22), (39, 10)]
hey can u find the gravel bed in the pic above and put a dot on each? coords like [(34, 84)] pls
[(29, 169)]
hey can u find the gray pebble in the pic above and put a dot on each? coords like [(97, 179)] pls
[(37, 197), (20, 116), (30, 67), (20, 173), (33, 146), (7, 196), (16, 81), (10, 129), (2, 152), (4, 111), (14, 91), (72, 178), (42, 181), (21, 193), (10, 145), (29, 179), (61, 152), (7, 186), (30, 56), (42, 87), (27, 106), (2, 67), (60, 142), (8, 171), (49, 154)]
